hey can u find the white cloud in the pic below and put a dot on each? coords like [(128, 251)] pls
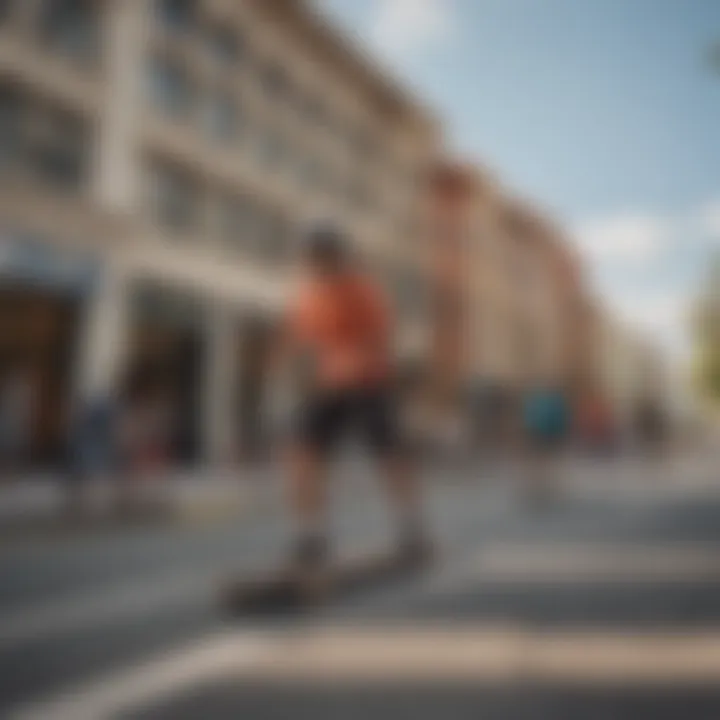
[(405, 27), (709, 217), (658, 313), (625, 238)]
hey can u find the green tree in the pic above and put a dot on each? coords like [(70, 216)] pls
[(707, 335)]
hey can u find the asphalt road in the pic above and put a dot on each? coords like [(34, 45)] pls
[(627, 557)]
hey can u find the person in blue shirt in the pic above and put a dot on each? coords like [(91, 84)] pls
[(546, 425)]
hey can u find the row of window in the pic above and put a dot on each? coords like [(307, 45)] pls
[(182, 204), (229, 47), (70, 27), (185, 207), (41, 141), (223, 119)]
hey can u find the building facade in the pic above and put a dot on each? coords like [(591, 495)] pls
[(515, 304), (157, 160)]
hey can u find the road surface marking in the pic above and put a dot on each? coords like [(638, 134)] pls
[(131, 688), (598, 562), (495, 563), (385, 655)]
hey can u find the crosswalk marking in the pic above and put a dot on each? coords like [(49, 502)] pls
[(598, 562), (385, 655), (495, 563)]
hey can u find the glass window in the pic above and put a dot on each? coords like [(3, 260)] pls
[(236, 223), (176, 198), (359, 194), (270, 148), (273, 237), (72, 26), (275, 80), (176, 15), (11, 107), (5, 10), (170, 87), (410, 293), (310, 175), (315, 111), (221, 116), (225, 45), (59, 147)]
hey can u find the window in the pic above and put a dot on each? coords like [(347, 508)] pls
[(273, 237), (236, 223), (221, 116), (11, 108), (359, 194), (270, 148), (170, 87), (176, 15), (275, 81), (315, 111), (6, 10), (49, 145), (58, 145), (410, 293), (175, 198), (71, 26), (309, 175), (364, 145), (225, 45)]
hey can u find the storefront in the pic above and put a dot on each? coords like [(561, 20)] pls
[(167, 354), (44, 293)]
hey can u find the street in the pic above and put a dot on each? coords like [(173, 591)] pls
[(605, 604)]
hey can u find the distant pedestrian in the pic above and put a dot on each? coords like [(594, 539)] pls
[(93, 451), (17, 415), (546, 421), (145, 438)]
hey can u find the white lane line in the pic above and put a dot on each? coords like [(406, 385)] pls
[(124, 690), (380, 655), (488, 654), (597, 562)]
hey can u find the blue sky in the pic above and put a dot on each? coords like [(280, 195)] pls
[(602, 111)]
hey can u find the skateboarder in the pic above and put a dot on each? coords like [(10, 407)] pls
[(340, 318)]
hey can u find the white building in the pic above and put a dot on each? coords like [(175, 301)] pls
[(156, 160)]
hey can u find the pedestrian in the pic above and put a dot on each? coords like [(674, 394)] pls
[(341, 319), (546, 423), (17, 415), (93, 453), (145, 432)]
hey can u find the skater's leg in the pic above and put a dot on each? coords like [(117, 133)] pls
[(308, 502), (398, 468), (318, 430)]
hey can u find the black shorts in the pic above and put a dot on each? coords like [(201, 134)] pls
[(327, 416)]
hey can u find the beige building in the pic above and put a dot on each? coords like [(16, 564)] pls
[(157, 158), (520, 307), (525, 297)]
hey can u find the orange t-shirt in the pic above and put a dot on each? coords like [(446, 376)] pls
[(345, 323)]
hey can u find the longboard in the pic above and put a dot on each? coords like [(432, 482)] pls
[(288, 589)]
